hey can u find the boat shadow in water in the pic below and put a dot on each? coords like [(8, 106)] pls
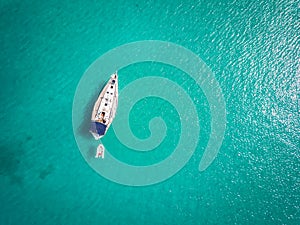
[(84, 127), (91, 152)]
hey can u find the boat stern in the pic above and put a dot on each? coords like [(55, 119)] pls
[(98, 129)]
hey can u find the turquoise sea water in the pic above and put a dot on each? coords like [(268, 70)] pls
[(251, 46)]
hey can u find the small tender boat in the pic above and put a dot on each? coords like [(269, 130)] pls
[(100, 151), (105, 108)]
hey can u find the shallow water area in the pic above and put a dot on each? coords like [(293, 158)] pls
[(252, 49)]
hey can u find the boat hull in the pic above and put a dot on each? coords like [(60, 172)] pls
[(105, 108)]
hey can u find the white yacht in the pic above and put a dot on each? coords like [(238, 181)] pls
[(105, 108)]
